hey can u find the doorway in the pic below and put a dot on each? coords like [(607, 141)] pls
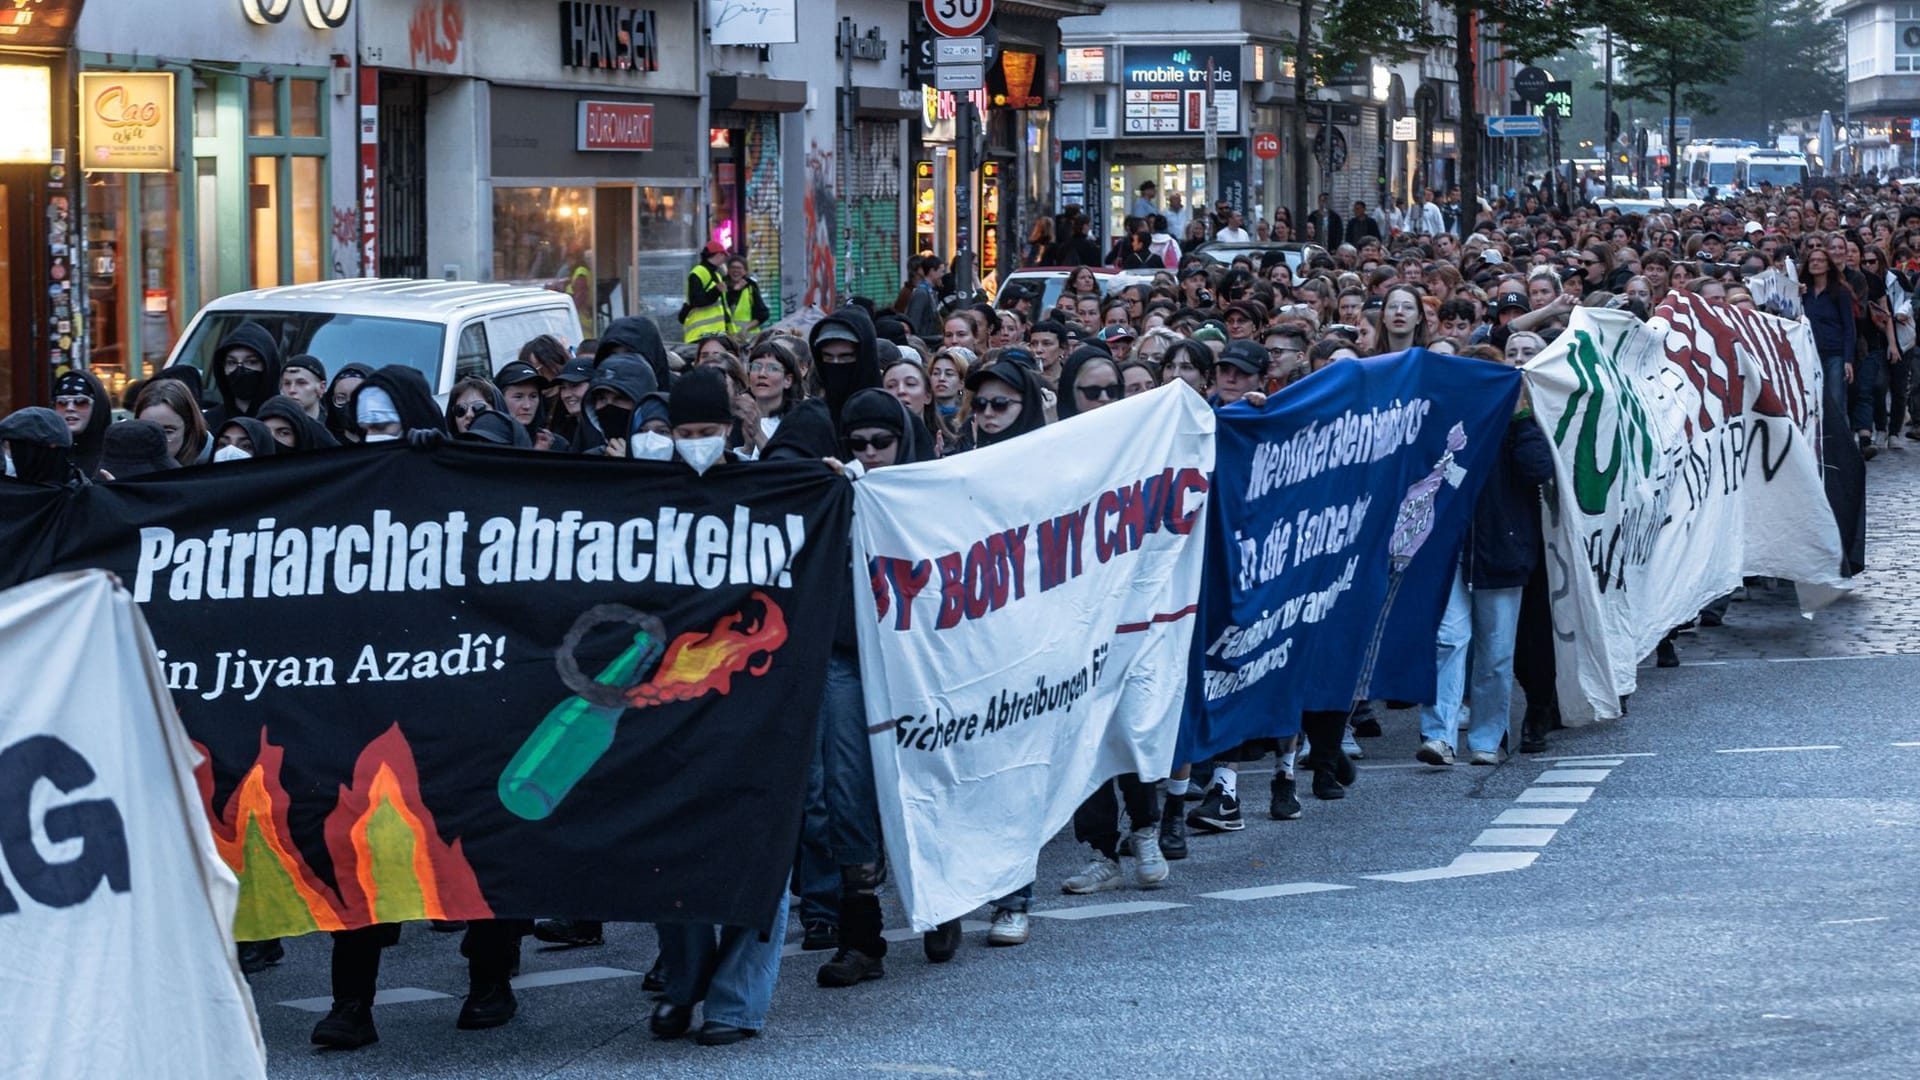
[(24, 375)]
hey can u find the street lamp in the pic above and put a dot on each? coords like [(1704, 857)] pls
[(1846, 95)]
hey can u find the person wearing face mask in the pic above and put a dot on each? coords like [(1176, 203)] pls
[(291, 427), (339, 393), (246, 369), (846, 356), (392, 403), (37, 448), (304, 379), (612, 397), (700, 411), (652, 438), (86, 409), (243, 437)]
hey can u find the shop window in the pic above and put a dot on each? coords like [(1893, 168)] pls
[(263, 200), (303, 108), (263, 107), (309, 239), (543, 236), (471, 356), (288, 240)]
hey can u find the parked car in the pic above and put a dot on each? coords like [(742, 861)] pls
[(1224, 252), (442, 329), (1050, 281)]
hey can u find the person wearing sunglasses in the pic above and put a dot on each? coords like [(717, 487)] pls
[(471, 396), (1006, 397), (1089, 380), (85, 408)]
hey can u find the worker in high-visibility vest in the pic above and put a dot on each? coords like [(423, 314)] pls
[(705, 312), (746, 310)]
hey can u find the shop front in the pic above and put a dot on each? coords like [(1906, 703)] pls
[(37, 324), (201, 177), (744, 166)]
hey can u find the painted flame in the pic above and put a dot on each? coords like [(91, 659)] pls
[(697, 663)]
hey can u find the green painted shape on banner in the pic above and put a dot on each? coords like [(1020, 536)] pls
[(270, 906), (397, 896), (1630, 438)]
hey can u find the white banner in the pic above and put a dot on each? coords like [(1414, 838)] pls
[(115, 954), (1687, 456), (1025, 636)]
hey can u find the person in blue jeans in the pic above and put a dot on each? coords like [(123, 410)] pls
[(1502, 547)]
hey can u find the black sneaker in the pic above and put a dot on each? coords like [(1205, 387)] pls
[(821, 935), (1218, 812), (655, 980), (258, 956), (1286, 804), (1666, 655), (850, 967), (1173, 829), (488, 1005), (939, 943), (1366, 722), (1326, 787), (349, 1026), (1867, 449), (571, 932)]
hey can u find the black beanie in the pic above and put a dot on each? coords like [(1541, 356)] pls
[(700, 397), (310, 363), (874, 408)]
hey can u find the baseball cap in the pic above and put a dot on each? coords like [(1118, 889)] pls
[(577, 370), (516, 372), (1245, 355), (1510, 300), (1754, 227)]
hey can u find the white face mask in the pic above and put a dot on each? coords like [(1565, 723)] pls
[(382, 438), (230, 453), (701, 453), (651, 446)]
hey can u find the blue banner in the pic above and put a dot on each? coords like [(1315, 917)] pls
[(1347, 496)]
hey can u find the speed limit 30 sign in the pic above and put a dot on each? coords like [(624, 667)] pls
[(957, 18)]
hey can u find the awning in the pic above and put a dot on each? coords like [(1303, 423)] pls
[(757, 93)]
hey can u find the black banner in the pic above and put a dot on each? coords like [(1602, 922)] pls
[(471, 682)]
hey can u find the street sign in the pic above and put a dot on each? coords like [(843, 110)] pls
[(1913, 128), (960, 77), (1266, 145), (1515, 127), (1683, 129), (1558, 98), (1531, 84), (957, 18), (1405, 129), (967, 50)]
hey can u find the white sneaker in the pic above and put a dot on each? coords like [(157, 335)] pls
[(1434, 752), (1487, 757), (1350, 746), (1009, 928), (1895, 442), (1149, 866), (1100, 875)]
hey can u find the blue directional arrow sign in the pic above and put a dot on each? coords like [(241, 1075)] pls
[(1515, 127)]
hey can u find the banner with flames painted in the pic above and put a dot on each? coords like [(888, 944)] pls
[(1688, 456), (473, 682)]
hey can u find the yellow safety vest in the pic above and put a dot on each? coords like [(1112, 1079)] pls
[(742, 312), (706, 321)]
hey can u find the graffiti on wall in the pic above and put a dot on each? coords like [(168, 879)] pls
[(346, 240), (435, 32), (822, 228), (763, 208), (872, 207)]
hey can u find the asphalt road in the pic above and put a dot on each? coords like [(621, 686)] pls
[(1723, 887)]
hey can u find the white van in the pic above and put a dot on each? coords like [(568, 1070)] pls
[(443, 329)]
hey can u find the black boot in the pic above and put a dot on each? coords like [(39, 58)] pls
[(941, 942), (861, 947), (568, 932), (349, 1026), (1285, 805), (670, 1021), (489, 1004), (258, 956), (1173, 828), (1666, 655), (1533, 730)]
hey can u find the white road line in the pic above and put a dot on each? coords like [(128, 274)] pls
[(1537, 815), (398, 996), (1101, 911), (1572, 776), (1555, 794), (1812, 659), (1584, 763), (1595, 757), (1470, 864), (1851, 922), (1907, 744), (1262, 892), (1513, 837), (563, 976), (1774, 749)]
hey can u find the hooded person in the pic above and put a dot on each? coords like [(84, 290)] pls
[(497, 429), (1070, 401), (1011, 406), (652, 437), (246, 369), (257, 436), (842, 370), (392, 402), (635, 334), (613, 397), (38, 448), (339, 417), (86, 409), (806, 434), (136, 448), (880, 409), (187, 375), (292, 428)]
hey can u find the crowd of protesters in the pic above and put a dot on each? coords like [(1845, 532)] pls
[(876, 384)]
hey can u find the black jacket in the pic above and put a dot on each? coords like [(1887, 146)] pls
[(258, 434), (308, 433), (41, 446), (260, 340), (412, 399), (638, 335), (89, 445), (1504, 542), (1069, 402), (839, 382), (628, 375)]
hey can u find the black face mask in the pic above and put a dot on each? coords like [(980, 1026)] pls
[(245, 384), (616, 422), (41, 464)]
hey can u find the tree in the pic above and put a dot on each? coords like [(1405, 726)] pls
[(1792, 53), (1525, 30), (1677, 57)]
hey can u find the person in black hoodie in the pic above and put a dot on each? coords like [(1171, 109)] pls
[(245, 434), (246, 369), (187, 375), (1007, 402), (339, 393), (392, 403), (636, 334), (846, 357), (613, 396), (292, 428), (85, 408), (1077, 394), (38, 448)]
